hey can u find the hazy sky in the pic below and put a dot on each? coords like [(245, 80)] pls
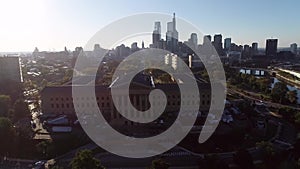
[(53, 24)]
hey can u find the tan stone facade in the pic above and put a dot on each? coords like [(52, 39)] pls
[(59, 100)]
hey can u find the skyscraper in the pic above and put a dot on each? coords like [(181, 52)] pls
[(157, 28), (227, 44), (294, 48), (143, 45), (254, 47), (218, 39), (271, 47), (156, 35), (218, 43), (247, 48), (172, 35), (194, 38), (246, 51), (206, 39), (134, 47), (193, 41)]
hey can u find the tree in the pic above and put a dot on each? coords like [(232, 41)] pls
[(297, 164), (42, 147), (43, 84), (56, 167), (287, 113), (263, 84), (292, 96), (159, 164), (279, 92), (7, 134), (243, 159), (209, 162), (4, 105), (11, 88), (84, 160), (267, 148), (69, 74), (20, 110), (268, 153), (296, 149), (297, 118)]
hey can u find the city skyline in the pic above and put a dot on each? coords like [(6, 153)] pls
[(50, 25)]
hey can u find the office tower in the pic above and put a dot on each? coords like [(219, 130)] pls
[(218, 43), (10, 70), (122, 51), (143, 45), (134, 47), (271, 47), (96, 47), (169, 35), (156, 35), (294, 48), (227, 43), (193, 41), (206, 39), (247, 48), (218, 39), (254, 47), (172, 35), (235, 47), (246, 51)]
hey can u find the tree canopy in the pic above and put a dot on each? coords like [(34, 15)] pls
[(84, 159), (279, 92), (4, 105), (159, 164), (7, 134)]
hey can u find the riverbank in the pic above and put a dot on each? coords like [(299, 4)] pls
[(288, 81)]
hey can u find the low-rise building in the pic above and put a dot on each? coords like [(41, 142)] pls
[(58, 100)]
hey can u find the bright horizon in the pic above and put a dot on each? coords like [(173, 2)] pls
[(53, 24)]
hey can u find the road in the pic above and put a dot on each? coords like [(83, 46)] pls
[(176, 157), (252, 97)]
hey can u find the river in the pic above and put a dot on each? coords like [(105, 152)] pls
[(290, 87)]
